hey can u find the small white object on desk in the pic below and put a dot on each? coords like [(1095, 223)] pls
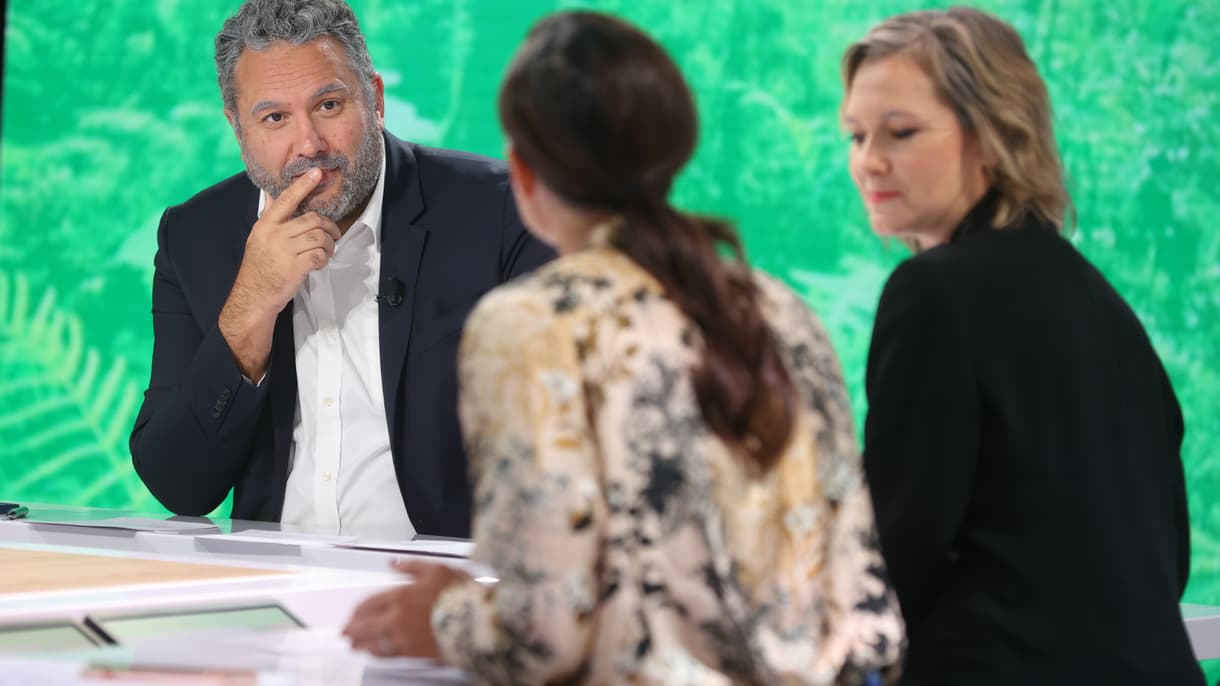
[(161, 526), (455, 548)]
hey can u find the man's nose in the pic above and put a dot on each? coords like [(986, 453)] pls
[(309, 140)]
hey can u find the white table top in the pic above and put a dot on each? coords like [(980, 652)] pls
[(326, 584), (312, 578)]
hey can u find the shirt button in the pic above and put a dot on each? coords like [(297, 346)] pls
[(326, 476), (328, 401)]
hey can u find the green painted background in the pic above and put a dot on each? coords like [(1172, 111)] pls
[(111, 112)]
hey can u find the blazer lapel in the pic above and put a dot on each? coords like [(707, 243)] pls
[(402, 247), (283, 367)]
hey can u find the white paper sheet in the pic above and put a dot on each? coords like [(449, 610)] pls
[(459, 549), (285, 537), (163, 526)]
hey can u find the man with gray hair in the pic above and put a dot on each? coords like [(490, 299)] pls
[(306, 314)]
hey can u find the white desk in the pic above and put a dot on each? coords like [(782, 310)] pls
[(320, 584), (326, 583), (1203, 626)]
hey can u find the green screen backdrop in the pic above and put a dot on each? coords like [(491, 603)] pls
[(111, 113)]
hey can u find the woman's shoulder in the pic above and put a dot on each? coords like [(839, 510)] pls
[(587, 281), (988, 264), (771, 287), (784, 309), (983, 251), (601, 270)]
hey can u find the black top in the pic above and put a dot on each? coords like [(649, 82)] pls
[(1023, 452)]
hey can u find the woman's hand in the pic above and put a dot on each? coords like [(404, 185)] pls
[(398, 622)]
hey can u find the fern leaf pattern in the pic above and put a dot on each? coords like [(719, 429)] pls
[(67, 413)]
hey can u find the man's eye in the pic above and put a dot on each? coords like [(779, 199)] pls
[(274, 118), (330, 105)]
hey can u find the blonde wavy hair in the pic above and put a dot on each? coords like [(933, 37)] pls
[(980, 69)]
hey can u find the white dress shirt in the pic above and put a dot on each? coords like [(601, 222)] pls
[(341, 475)]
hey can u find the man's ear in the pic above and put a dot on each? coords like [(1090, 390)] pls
[(379, 98), (232, 117), (522, 177)]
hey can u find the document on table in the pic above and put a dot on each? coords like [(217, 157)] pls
[(162, 526), (437, 547), (281, 537), (267, 542)]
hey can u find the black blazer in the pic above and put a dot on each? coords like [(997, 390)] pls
[(449, 233), (1022, 448)]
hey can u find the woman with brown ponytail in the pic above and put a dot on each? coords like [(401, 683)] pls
[(667, 481)]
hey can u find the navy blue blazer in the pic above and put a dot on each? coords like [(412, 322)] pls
[(450, 233)]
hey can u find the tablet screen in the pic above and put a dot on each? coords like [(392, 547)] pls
[(124, 628), (43, 638)]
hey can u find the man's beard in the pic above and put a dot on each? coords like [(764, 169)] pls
[(359, 177)]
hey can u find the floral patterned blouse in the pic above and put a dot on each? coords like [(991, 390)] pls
[(630, 546)]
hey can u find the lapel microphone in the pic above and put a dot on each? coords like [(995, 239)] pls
[(390, 292)]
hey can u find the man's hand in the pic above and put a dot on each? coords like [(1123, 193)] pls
[(398, 622), (280, 252)]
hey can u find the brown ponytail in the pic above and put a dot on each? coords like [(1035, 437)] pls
[(743, 389), (602, 115)]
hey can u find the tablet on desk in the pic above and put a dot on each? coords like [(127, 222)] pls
[(44, 637), (124, 628)]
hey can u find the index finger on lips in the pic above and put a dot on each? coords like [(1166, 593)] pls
[(287, 203)]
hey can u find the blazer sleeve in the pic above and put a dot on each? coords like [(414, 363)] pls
[(921, 432), (1177, 429), (538, 514), (192, 437)]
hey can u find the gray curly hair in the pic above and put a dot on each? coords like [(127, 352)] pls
[(259, 24)]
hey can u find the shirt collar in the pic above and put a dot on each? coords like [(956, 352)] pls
[(370, 217)]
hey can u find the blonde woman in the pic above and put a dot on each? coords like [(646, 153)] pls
[(1022, 441)]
